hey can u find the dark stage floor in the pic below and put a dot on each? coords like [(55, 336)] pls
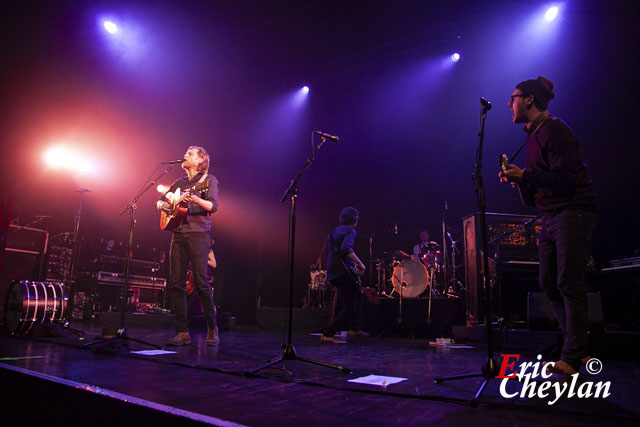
[(53, 380)]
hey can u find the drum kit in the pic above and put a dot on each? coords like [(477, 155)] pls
[(399, 274)]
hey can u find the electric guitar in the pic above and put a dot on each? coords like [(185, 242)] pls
[(172, 215), (354, 275), (526, 195)]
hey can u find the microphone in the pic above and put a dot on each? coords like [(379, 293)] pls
[(326, 136), (486, 104), (395, 229), (172, 162)]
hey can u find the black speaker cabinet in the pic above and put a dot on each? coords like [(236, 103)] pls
[(513, 243), (541, 318), (22, 258)]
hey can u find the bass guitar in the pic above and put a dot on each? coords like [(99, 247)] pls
[(526, 195), (172, 215)]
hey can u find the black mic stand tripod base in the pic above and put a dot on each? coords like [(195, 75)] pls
[(491, 367), (121, 341), (288, 351)]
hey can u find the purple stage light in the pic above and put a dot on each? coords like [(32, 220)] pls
[(551, 14), (455, 57), (111, 27), (305, 89)]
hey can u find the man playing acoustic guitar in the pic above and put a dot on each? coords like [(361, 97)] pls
[(188, 216)]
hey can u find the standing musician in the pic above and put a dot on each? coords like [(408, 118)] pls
[(556, 180), (341, 263), (190, 243)]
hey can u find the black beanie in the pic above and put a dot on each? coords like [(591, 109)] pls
[(541, 89)]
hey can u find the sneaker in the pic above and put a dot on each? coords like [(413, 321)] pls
[(181, 338), (212, 336), (332, 340), (358, 333)]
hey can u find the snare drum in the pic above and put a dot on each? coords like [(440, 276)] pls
[(30, 302), (409, 278), (432, 259)]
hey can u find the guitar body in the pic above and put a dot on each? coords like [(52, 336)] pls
[(354, 275), (526, 195), (170, 221), (172, 217)]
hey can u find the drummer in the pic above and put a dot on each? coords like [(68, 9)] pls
[(425, 246)]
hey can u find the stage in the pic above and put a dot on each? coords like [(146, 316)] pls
[(208, 385)]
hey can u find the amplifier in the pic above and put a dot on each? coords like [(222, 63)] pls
[(110, 278), (514, 245)]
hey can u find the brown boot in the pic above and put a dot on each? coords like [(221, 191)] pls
[(181, 338), (212, 336)]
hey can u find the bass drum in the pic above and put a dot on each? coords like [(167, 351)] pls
[(409, 278), (30, 302)]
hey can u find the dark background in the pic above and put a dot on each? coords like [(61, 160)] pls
[(227, 75)]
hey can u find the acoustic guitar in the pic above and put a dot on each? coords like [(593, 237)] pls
[(172, 215)]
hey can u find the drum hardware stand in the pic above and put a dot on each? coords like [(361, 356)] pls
[(491, 367), (453, 282), (71, 271), (393, 228), (121, 339), (288, 351), (402, 286)]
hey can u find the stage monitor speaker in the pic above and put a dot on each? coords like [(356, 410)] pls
[(541, 318)]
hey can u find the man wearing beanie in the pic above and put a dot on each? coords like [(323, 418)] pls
[(556, 179)]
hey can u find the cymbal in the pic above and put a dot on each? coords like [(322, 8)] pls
[(398, 253)]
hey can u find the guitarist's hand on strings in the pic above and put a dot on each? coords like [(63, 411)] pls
[(512, 174)]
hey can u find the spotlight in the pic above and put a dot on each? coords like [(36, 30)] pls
[(551, 14), (305, 89), (455, 57), (57, 157), (162, 188), (111, 27)]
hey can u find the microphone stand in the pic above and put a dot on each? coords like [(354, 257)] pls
[(491, 367), (121, 339), (445, 258), (288, 351)]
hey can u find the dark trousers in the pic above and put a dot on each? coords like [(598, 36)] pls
[(564, 249), (194, 248), (349, 294)]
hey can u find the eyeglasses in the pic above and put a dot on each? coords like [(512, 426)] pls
[(513, 97)]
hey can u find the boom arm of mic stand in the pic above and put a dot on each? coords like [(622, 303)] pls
[(144, 190)]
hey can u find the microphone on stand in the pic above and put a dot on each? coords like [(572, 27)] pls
[(486, 104), (326, 136), (172, 162)]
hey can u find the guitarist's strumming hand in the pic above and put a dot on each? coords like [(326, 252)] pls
[(164, 206), (510, 173), (360, 268)]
